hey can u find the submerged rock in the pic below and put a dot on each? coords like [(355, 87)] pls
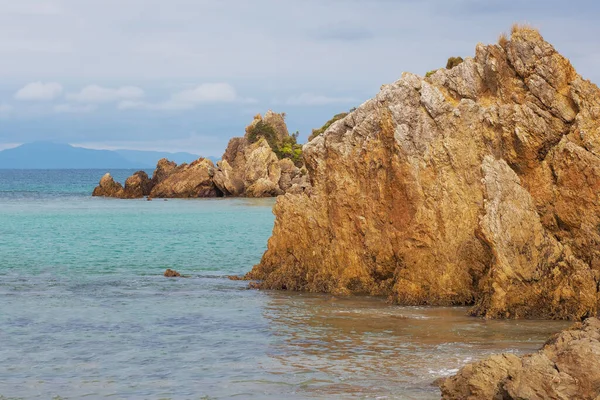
[(171, 273), (567, 367), (477, 185)]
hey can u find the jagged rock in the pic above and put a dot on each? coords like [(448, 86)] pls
[(567, 367), (263, 188), (226, 180), (276, 121), (250, 170), (164, 168), (108, 187), (137, 185), (187, 181), (171, 273), (475, 186), (247, 169)]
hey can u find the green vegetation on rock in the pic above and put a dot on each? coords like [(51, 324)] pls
[(287, 148), (337, 117), (453, 62)]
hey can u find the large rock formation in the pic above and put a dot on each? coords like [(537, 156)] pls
[(567, 367), (477, 185), (250, 168)]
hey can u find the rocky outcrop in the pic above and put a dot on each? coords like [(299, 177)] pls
[(250, 168), (108, 187), (137, 185), (253, 169), (477, 185), (188, 181), (567, 367)]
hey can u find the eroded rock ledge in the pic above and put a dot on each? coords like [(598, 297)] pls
[(477, 185), (567, 367), (255, 165)]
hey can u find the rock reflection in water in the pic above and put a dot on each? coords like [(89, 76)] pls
[(365, 348)]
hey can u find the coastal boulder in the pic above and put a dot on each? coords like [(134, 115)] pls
[(108, 187), (567, 367), (164, 168), (137, 185), (477, 185), (188, 181)]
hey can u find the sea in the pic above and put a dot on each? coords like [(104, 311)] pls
[(85, 311)]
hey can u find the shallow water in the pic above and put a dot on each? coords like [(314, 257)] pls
[(85, 311)]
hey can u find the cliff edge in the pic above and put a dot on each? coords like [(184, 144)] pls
[(476, 185)]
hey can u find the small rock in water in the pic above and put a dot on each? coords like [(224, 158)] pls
[(253, 285), (235, 277), (171, 273), (149, 199)]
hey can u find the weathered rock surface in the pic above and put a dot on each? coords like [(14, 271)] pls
[(475, 186), (253, 169), (567, 367), (108, 187), (188, 181), (137, 185)]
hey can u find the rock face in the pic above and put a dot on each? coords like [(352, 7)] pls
[(475, 186), (137, 185), (253, 169), (567, 367), (187, 181)]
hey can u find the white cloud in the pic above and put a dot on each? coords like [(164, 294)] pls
[(206, 93), (309, 99), (99, 94), (73, 108), (39, 91)]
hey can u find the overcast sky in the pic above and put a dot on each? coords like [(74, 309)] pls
[(187, 75)]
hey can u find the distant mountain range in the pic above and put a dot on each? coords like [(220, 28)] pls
[(49, 155)]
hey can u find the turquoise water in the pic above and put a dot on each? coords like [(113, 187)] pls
[(85, 311)]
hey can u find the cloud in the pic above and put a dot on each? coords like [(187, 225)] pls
[(99, 94), (309, 99), (206, 93), (73, 108), (39, 91)]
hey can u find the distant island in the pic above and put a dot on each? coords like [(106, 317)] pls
[(50, 155)]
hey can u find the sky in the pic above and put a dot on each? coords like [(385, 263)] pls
[(187, 75)]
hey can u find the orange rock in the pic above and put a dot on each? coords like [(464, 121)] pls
[(476, 186), (170, 273)]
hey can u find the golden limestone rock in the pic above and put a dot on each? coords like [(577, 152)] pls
[(567, 367), (477, 185)]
